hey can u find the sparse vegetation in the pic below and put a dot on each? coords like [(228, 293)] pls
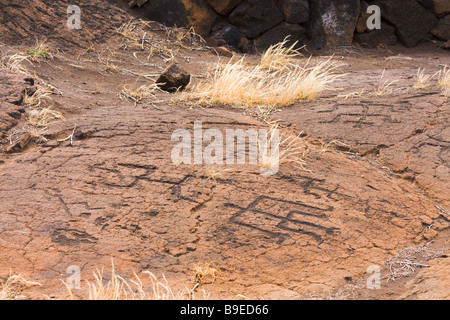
[(11, 288), (118, 288), (205, 272), (239, 84), (279, 56), (14, 63), (41, 51), (444, 81), (291, 149), (422, 80), (141, 94), (384, 87)]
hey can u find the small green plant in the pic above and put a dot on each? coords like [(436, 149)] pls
[(41, 51)]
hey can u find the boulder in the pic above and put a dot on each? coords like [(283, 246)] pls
[(173, 79), (427, 4), (223, 7), (361, 25), (229, 36), (138, 3), (279, 33), (385, 35), (256, 16), (294, 11), (442, 6), (182, 13), (332, 22), (442, 29), (412, 22)]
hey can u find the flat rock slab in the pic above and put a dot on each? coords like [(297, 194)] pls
[(116, 193), (410, 133)]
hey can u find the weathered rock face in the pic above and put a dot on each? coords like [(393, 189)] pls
[(256, 16), (183, 13), (333, 22), (229, 36), (441, 6), (12, 88), (223, 7), (295, 32), (412, 22), (442, 29), (294, 11), (173, 79), (328, 23), (361, 25), (385, 35)]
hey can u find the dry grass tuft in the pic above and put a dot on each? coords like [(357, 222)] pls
[(205, 272), (142, 94), (42, 118), (279, 56), (117, 288), (15, 63), (13, 286), (35, 100), (384, 87), (239, 84), (291, 150), (444, 81), (423, 80)]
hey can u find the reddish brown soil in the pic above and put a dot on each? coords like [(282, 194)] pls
[(376, 181)]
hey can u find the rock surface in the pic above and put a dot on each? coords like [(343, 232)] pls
[(333, 23), (256, 16), (195, 13), (295, 33), (442, 29), (384, 36), (12, 88), (224, 7), (173, 79), (441, 6), (294, 11), (411, 20)]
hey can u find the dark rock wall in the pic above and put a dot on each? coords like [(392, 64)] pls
[(249, 24)]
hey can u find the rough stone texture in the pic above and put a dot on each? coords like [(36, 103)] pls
[(116, 193), (385, 35), (229, 35), (442, 29), (12, 88), (224, 7), (294, 11), (332, 23), (406, 133), (441, 6), (411, 20), (183, 13), (256, 16), (361, 25), (47, 18), (273, 36), (173, 79), (134, 3)]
